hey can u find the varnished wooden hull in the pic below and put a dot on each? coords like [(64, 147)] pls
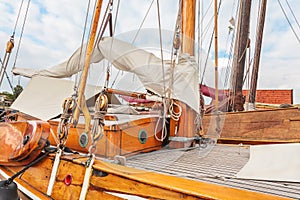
[(122, 139), (22, 142), (260, 126), (107, 177)]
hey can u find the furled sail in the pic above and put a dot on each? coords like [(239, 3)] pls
[(145, 65), (66, 69)]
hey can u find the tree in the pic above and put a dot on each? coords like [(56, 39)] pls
[(17, 91)]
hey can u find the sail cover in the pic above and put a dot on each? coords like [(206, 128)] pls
[(155, 75), (43, 96)]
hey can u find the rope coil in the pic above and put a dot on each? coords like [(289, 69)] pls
[(175, 115)]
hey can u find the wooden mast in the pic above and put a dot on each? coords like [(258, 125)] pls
[(188, 26), (185, 128), (81, 99), (241, 45), (258, 42), (216, 54)]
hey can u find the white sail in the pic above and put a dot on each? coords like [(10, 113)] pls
[(145, 65), (46, 103)]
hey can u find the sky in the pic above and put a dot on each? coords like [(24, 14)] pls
[(53, 31)]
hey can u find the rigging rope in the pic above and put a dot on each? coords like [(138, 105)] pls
[(17, 20), (210, 22), (47, 152), (160, 43), (136, 35), (10, 45), (228, 68), (109, 18), (210, 45), (80, 54), (117, 13), (288, 21), (140, 27), (23, 26), (9, 82), (97, 132), (66, 117), (175, 115), (176, 46), (164, 130), (231, 30), (202, 31), (199, 28), (293, 13), (114, 30)]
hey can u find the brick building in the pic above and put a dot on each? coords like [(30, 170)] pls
[(277, 96), (269, 96)]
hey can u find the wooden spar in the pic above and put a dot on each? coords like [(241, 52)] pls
[(83, 80), (258, 42), (216, 54), (127, 93), (188, 26), (240, 48)]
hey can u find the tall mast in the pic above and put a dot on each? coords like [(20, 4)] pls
[(81, 99), (185, 127), (258, 42), (239, 58), (216, 54), (188, 26)]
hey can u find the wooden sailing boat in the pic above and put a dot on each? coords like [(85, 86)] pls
[(139, 133), (120, 139), (278, 125), (60, 175)]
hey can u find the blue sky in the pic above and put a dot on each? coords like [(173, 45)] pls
[(54, 30)]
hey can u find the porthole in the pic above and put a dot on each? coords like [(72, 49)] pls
[(143, 136)]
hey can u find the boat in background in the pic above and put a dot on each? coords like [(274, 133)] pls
[(255, 125)]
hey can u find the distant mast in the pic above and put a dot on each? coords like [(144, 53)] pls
[(241, 45), (216, 54), (258, 43)]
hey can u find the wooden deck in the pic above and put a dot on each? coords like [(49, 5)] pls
[(219, 166)]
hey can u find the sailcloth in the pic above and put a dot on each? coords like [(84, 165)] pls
[(275, 162), (154, 75), (43, 96)]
